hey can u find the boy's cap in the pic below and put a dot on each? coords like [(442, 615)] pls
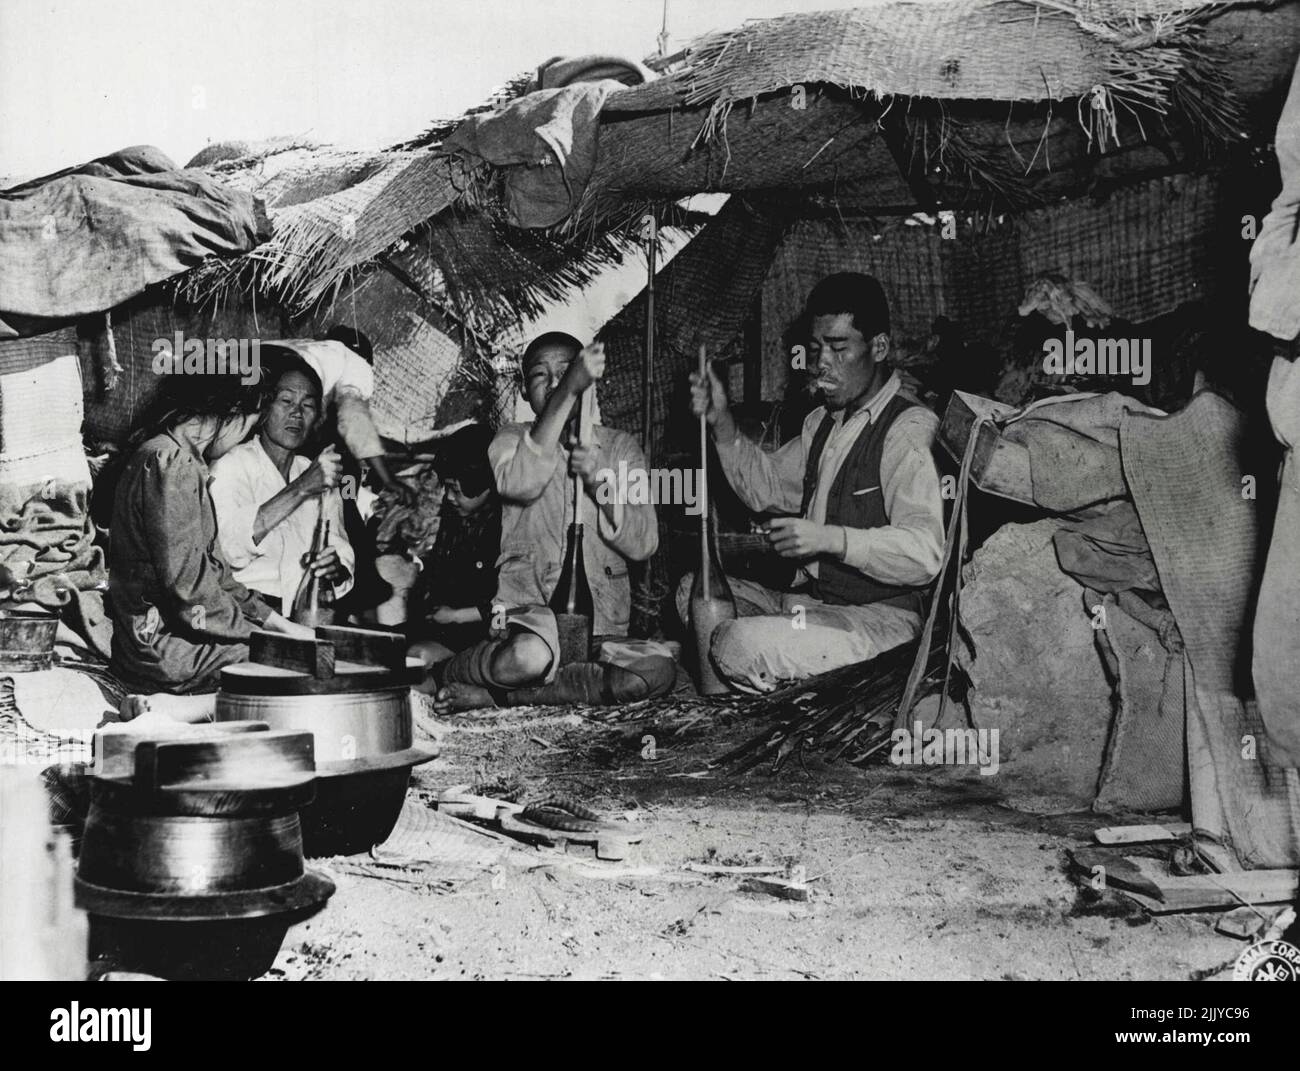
[(463, 457), (550, 340)]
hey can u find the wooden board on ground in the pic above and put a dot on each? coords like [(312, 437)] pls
[(1103, 869), (1149, 882), (779, 887), (1207, 892), (1145, 834)]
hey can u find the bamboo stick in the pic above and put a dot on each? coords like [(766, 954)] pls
[(647, 371), (704, 475)]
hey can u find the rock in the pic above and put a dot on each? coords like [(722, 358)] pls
[(1037, 676)]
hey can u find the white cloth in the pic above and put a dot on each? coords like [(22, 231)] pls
[(348, 383), (339, 368), (245, 479), (906, 551), (781, 636), (1275, 255)]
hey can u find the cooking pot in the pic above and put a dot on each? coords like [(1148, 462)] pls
[(192, 865), (361, 723)]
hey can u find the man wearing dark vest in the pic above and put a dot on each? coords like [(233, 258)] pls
[(862, 478)]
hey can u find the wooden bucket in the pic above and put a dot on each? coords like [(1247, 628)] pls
[(27, 640)]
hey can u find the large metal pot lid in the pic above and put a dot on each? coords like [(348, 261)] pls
[(304, 892), (253, 678), (207, 772), (411, 756), (207, 799)]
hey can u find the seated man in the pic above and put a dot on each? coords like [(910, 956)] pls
[(459, 582), (179, 615), (269, 496), (861, 479), (533, 469)]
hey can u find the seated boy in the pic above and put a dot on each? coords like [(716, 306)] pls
[(455, 592), (534, 465)]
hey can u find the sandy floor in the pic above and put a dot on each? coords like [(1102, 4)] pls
[(918, 874)]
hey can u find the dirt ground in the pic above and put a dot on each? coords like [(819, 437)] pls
[(918, 873)]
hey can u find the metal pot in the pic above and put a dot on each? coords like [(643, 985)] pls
[(203, 834), (362, 726), (27, 640)]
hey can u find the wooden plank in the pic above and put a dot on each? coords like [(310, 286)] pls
[(371, 647), (1246, 923), (1146, 834), (1108, 868), (1201, 892), (313, 657), (780, 887)]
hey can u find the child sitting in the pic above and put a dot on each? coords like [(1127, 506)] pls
[(534, 470)]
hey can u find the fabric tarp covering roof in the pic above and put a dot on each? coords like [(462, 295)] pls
[(88, 239)]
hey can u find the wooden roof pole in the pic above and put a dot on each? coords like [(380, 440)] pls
[(893, 128), (647, 370)]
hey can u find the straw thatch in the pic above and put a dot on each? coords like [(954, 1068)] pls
[(984, 106), (1009, 102), (1003, 50), (331, 215), (1002, 103)]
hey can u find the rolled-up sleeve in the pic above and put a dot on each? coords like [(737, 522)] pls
[(906, 551), (637, 536), (521, 468), (766, 482), (357, 425)]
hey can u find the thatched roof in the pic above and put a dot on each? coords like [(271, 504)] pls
[(993, 104), (993, 50), (333, 211), (888, 107)]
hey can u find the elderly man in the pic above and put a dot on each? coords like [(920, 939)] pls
[(268, 497), (861, 483)]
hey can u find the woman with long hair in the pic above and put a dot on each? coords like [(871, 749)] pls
[(178, 613)]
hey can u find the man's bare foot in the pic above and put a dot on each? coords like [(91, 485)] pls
[(424, 718), (162, 708), (456, 697)]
